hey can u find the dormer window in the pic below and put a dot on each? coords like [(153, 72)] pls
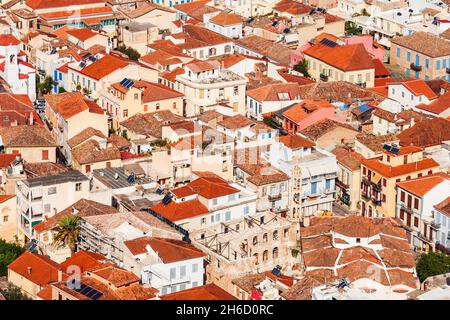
[(358, 240)]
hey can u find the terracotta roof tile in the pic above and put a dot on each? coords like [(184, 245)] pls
[(27, 136), (437, 106), (276, 92), (390, 171), (91, 152), (226, 19), (322, 127), (103, 67), (176, 211), (420, 186), (273, 51), (83, 136), (347, 58), (424, 42), (426, 133), (444, 207), (43, 270), (168, 250), (206, 292), (296, 142)]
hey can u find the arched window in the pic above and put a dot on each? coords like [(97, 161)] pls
[(255, 240), (275, 235), (265, 256), (265, 237), (275, 253), (256, 258)]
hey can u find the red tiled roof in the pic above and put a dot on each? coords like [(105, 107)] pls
[(211, 187), (420, 186), (380, 69), (226, 19), (426, 133), (296, 141), (43, 270), (68, 104), (6, 197), (6, 159), (82, 34), (103, 67), (444, 207), (85, 260), (390, 171), (346, 58), (175, 211), (168, 250), (206, 292), (272, 92), (438, 105), (45, 4), (418, 87), (8, 39), (155, 91)]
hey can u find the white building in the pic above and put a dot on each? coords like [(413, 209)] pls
[(14, 70), (442, 222), (207, 201), (41, 197), (167, 265), (206, 83), (415, 204), (318, 171)]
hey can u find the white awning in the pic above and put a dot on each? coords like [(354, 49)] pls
[(36, 193), (37, 209)]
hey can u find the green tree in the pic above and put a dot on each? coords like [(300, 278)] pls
[(61, 90), (14, 293), (45, 86), (67, 232), (130, 52), (352, 29), (302, 67), (8, 253), (432, 264), (125, 135)]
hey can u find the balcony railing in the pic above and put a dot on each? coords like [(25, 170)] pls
[(415, 67), (275, 197), (365, 196), (421, 236), (342, 185), (323, 77), (435, 225)]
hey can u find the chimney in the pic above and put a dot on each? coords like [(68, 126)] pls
[(60, 275), (29, 270), (31, 119)]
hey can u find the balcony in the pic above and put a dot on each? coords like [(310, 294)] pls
[(435, 225), (376, 202), (415, 67), (342, 185), (323, 77), (365, 196), (424, 239), (275, 197)]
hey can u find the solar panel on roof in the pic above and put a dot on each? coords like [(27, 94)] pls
[(123, 81), (82, 287), (387, 147), (129, 84), (85, 290), (91, 293), (82, 64), (97, 295), (328, 42), (395, 150), (31, 245)]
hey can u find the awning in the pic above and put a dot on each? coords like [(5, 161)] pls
[(36, 193), (37, 209), (376, 178)]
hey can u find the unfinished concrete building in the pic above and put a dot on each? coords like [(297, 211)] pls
[(245, 246)]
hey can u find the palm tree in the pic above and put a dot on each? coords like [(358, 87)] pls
[(67, 232)]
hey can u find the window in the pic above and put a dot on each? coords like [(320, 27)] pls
[(265, 256), (203, 221), (51, 190), (182, 287), (212, 219), (47, 208), (232, 197), (275, 253), (173, 273), (265, 237), (236, 90), (416, 203), (313, 187), (78, 186), (44, 154), (255, 240), (227, 216), (286, 233), (194, 284), (5, 219), (88, 168), (157, 106), (174, 105), (246, 210), (384, 182), (416, 222), (125, 113), (438, 64), (408, 56), (182, 271), (136, 96), (214, 201), (275, 235), (218, 217), (194, 268), (398, 52)]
